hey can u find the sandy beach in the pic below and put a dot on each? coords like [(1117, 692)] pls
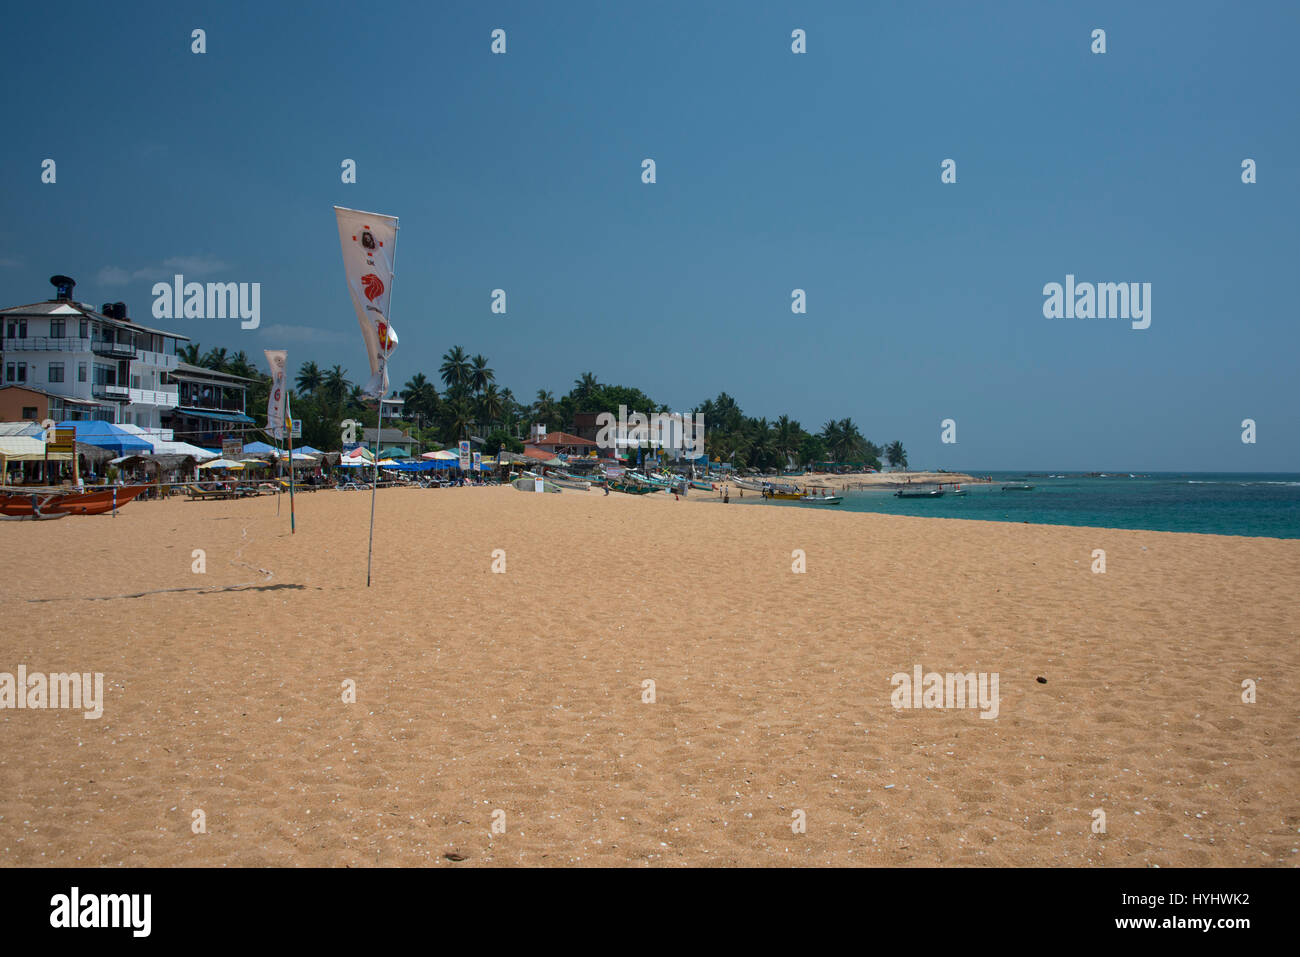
[(522, 691)]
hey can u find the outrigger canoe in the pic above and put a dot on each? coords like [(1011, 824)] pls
[(632, 488), (48, 503)]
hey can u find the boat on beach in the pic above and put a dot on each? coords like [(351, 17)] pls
[(920, 491), (47, 502), (632, 488)]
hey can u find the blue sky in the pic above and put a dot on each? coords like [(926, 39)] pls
[(775, 171)]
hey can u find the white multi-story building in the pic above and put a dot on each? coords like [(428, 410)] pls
[(104, 365)]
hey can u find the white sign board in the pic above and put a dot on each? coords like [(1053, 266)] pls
[(464, 456), (539, 485)]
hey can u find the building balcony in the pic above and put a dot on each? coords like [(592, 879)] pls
[(112, 393), (161, 398), (45, 344), (160, 359), (112, 350)]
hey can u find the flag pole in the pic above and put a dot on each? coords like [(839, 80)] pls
[(289, 423), (379, 424), (374, 489)]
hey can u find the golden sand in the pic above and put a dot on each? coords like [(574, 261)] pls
[(522, 692)]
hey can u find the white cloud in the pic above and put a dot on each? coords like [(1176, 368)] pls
[(190, 266)]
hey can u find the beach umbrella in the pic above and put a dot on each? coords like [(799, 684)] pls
[(393, 452), (259, 448), (442, 455), (222, 464)]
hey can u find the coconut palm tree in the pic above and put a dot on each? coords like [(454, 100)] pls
[(421, 396), (215, 359), (191, 354), (459, 416), (490, 404), (544, 407), (455, 368), (309, 378), (896, 454), (335, 384), (480, 375), (584, 386), (240, 365), (786, 437)]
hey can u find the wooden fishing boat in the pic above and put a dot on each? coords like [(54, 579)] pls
[(34, 518), (1017, 487), (920, 492), (789, 493), (704, 486), (47, 502), (632, 488), (748, 484)]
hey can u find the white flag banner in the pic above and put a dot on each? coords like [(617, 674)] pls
[(369, 242), (277, 400)]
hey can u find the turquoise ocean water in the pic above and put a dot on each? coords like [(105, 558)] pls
[(1211, 503)]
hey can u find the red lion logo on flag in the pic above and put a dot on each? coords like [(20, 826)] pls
[(385, 340), (372, 286)]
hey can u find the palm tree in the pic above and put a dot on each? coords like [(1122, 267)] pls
[(584, 386), (833, 435), (544, 408), (490, 404), (240, 365), (356, 403), (335, 384), (215, 359), (480, 375), (191, 354), (459, 416), (896, 454), (421, 396), (455, 369), (309, 378), (787, 437)]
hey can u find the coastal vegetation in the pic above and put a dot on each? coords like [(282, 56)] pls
[(466, 399)]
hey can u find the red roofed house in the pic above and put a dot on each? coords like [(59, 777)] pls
[(560, 443)]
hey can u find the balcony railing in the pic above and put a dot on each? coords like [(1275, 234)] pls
[(114, 393), (160, 359), (46, 344), (116, 350), (159, 397)]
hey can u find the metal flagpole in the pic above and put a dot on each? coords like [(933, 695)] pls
[(289, 425), (379, 429), (374, 489)]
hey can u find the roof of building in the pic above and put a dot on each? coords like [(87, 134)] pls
[(186, 371), (540, 454), (65, 307), (49, 395), (395, 436), (562, 438)]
